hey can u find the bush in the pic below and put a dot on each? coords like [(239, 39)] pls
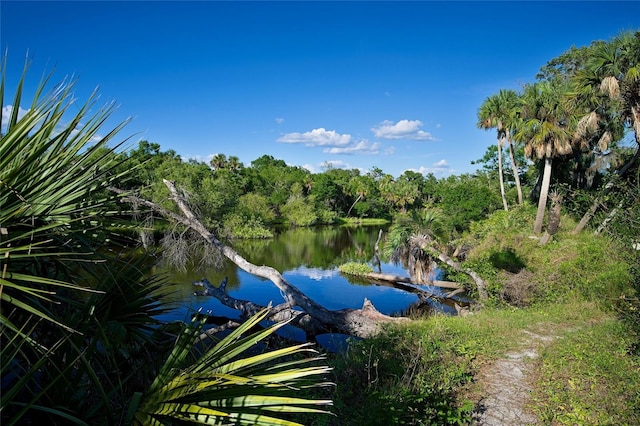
[(354, 268), (298, 212), (238, 226), (406, 375), (517, 269)]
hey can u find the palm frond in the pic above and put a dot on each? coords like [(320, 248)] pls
[(221, 386)]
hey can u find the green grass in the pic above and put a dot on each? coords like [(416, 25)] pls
[(355, 268), (581, 290), (422, 373), (590, 376), (361, 221)]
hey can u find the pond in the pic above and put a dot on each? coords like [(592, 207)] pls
[(308, 258)]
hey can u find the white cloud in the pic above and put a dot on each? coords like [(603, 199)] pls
[(314, 273), (317, 137), (438, 168), (279, 120), (363, 147), (6, 115), (334, 142), (336, 164), (403, 129), (199, 158), (309, 167)]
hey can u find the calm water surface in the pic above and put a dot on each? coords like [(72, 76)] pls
[(308, 259)]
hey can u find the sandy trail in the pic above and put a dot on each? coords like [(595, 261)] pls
[(506, 385)]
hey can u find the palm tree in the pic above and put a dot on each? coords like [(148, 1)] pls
[(490, 115), (546, 132), (215, 387), (409, 235), (613, 69), (511, 121), (219, 161), (358, 185), (53, 180), (234, 163)]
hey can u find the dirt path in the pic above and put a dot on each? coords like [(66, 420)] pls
[(506, 385)]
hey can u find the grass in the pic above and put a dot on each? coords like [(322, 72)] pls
[(355, 268), (362, 221), (581, 290), (590, 377), (423, 373)]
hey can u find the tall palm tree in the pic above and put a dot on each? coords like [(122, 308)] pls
[(358, 185), (490, 115), (502, 112), (512, 119), (615, 67), (546, 132)]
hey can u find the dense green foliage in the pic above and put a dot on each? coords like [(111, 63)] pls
[(250, 200)]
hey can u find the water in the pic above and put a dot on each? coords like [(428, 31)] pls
[(308, 259)]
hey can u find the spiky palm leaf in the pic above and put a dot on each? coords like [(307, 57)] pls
[(49, 173), (54, 167), (221, 387)]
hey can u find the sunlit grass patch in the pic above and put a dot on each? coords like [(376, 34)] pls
[(355, 268), (589, 377)]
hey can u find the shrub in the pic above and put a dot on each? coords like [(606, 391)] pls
[(354, 268)]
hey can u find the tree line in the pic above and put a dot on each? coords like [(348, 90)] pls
[(563, 135), (246, 201)]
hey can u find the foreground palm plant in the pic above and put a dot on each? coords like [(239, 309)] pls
[(53, 170), (217, 387)]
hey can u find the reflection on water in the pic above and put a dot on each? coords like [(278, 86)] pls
[(308, 259)]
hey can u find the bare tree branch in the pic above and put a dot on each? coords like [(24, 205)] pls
[(363, 322)]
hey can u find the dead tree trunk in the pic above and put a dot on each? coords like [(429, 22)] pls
[(612, 214), (608, 187), (376, 252), (480, 285), (363, 322), (354, 204)]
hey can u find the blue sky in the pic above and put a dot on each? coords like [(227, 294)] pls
[(394, 85)]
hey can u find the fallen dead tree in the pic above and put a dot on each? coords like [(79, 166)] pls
[(312, 318), (407, 285), (399, 279)]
